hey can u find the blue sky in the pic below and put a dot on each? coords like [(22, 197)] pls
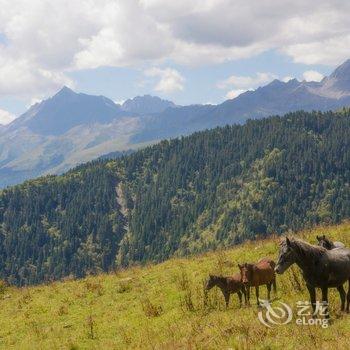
[(200, 85), (187, 51)]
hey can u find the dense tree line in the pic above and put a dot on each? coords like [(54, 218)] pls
[(211, 189), (60, 225)]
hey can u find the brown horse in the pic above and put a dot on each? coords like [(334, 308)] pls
[(255, 275), (228, 286)]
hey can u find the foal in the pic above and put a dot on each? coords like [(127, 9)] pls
[(324, 242), (228, 286), (255, 275)]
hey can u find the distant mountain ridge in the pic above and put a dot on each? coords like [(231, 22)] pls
[(71, 128), (68, 109), (146, 104)]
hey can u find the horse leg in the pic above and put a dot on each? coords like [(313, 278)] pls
[(245, 295), (325, 300), (257, 295), (274, 285), (240, 298), (268, 286), (348, 298), (248, 294), (244, 290), (312, 292), (342, 297), (227, 298)]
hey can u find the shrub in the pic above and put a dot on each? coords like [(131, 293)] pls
[(150, 309)]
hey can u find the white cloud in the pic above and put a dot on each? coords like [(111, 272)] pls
[(47, 39), (6, 117), (234, 93), (21, 78), (246, 82), (312, 75), (287, 78), (239, 84), (170, 80), (119, 102)]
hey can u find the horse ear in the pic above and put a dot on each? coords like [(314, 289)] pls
[(324, 236), (318, 238), (240, 266), (288, 242)]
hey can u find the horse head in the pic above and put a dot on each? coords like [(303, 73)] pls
[(286, 256), (246, 273), (211, 282), (324, 242)]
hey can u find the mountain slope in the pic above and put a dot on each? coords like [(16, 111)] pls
[(279, 98), (337, 85), (174, 122), (164, 307), (66, 110), (211, 189), (61, 132)]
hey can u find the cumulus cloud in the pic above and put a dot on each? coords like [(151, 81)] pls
[(246, 82), (287, 78), (170, 80), (312, 75), (21, 78), (240, 84), (42, 41), (234, 93), (6, 117), (127, 35)]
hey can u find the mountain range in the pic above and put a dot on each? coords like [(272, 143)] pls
[(71, 128)]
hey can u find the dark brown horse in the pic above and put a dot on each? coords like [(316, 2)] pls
[(228, 286), (325, 242), (321, 268), (255, 275)]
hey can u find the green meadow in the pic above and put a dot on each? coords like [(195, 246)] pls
[(164, 306)]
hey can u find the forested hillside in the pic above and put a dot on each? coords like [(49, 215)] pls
[(211, 189)]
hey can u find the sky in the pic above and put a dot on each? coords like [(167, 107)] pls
[(188, 51)]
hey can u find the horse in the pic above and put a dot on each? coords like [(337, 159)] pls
[(255, 275), (321, 268), (228, 286), (325, 242)]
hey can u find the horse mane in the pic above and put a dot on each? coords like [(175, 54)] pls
[(307, 250), (249, 264), (218, 277)]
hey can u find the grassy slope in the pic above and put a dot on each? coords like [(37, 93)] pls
[(161, 306)]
